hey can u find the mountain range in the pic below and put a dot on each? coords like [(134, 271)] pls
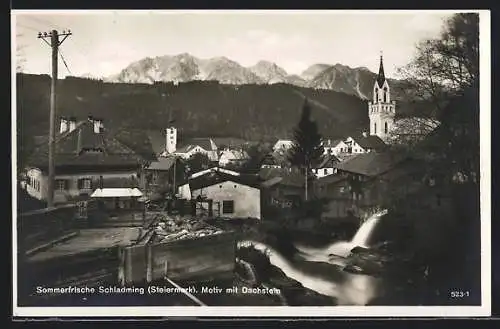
[(185, 67)]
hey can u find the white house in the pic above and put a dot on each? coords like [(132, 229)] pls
[(190, 147), (232, 156), (364, 143), (334, 147), (327, 166), (282, 145), (233, 196), (198, 145)]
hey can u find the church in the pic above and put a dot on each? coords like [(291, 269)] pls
[(383, 120)]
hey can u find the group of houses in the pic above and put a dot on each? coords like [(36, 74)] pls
[(92, 162)]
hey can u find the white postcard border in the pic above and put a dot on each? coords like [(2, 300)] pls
[(287, 311)]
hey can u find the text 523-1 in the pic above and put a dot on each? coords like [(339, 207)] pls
[(459, 294)]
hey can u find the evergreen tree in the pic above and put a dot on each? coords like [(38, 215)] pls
[(307, 150)]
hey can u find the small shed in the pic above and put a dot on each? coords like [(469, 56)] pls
[(117, 198)]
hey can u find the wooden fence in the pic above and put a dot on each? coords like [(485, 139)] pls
[(201, 258)]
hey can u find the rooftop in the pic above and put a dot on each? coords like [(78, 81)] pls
[(370, 164), (163, 163), (204, 142), (217, 177), (370, 142), (116, 193), (83, 147)]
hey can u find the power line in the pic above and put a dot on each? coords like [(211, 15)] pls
[(44, 22), (27, 27), (64, 61)]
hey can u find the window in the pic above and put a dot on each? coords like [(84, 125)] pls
[(325, 171), (61, 185), (228, 207), (84, 184), (385, 127), (375, 128)]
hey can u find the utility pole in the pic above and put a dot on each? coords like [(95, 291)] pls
[(54, 45)]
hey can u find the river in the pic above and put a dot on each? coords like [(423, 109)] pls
[(321, 268)]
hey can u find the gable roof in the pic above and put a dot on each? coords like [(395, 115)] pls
[(82, 146), (234, 154), (217, 177), (332, 143), (372, 142), (283, 143), (370, 164), (214, 169), (162, 164), (329, 161), (281, 176), (330, 179), (204, 143)]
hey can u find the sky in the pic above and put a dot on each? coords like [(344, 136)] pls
[(103, 43)]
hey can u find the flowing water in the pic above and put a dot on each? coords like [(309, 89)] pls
[(321, 269)]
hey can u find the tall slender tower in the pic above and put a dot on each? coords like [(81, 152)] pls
[(171, 142), (381, 110)]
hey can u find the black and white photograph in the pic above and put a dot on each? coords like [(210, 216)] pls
[(240, 163)]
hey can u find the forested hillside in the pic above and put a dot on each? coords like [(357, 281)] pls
[(199, 108)]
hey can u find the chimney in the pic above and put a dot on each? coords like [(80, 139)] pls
[(71, 123), (64, 125), (365, 134)]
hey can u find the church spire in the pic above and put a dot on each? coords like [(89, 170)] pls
[(381, 75)]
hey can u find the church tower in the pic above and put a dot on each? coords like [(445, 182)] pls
[(381, 110), (171, 140)]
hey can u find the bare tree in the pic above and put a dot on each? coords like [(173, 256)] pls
[(446, 65)]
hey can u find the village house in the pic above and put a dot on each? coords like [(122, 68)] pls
[(282, 146), (368, 176), (364, 143), (281, 187), (270, 161), (224, 193), (166, 173), (335, 190), (85, 153), (189, 147), (232, 157), (334, 147), (327, 166)]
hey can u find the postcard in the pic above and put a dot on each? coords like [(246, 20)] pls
[(242, 163)]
